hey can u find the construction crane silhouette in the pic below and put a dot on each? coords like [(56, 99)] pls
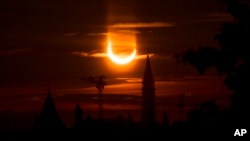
[(100, 83)]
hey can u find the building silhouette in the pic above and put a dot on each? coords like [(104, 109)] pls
[(48, 120), (148, 95)]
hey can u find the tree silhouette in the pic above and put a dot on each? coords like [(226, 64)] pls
[(231, 58)]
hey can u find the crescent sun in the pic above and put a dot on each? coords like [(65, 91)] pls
[(118, 60)]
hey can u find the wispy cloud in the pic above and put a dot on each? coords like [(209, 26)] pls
[(90, 54), (97, 34), (217, 17), (94, 54), (143, 56), (126, 31), (72, 34), (131, 80), (142, 25), (14, 51), (128, 28)]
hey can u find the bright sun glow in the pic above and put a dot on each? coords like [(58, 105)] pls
[(117, 59)]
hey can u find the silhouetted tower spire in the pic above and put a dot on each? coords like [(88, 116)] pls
[(148, 95), (49, 118), (49, 106)]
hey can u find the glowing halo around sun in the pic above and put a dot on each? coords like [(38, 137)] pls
[(117, 59)]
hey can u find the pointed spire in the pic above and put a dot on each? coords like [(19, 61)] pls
[(49, 117), (49, 93), (148, 95), (49, 103), (148, 75)]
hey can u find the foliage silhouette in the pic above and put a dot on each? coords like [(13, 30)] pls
[(231, 59)]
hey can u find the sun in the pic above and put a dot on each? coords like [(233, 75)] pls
[(119, 60)]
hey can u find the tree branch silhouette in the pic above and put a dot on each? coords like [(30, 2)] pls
[(231, 58)]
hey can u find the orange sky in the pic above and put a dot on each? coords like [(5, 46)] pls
[(57, 43)]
